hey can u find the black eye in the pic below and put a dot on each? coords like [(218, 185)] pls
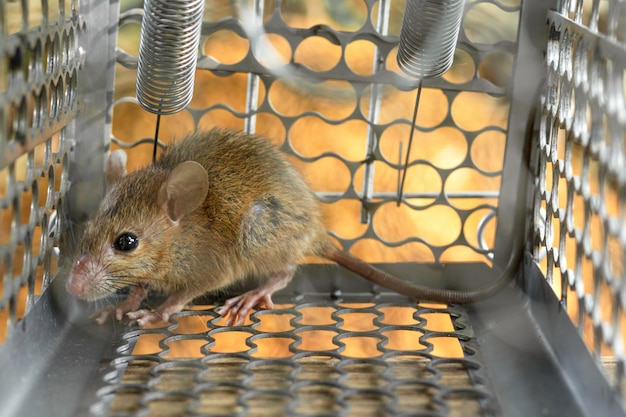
[(126, 242)]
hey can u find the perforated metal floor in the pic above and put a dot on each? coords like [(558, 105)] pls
[(365, 353), (316, 358)]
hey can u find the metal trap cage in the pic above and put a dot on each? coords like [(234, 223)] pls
[(519, 147)]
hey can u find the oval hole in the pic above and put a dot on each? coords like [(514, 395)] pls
[(477, 31), (359, 57), (403, 340), (482, 218), (371, 250), (311, 136), (335, 100), (316, 340), (343, 218), (224, 90), (445, 147), (422, 183), (456, 254), (272, 50), (325, 174), (397, 104), (488, 151), (475, 111), (273, 347), (360, 347), (465, 180), (220, 118), (463, 68), (317, 53), (226, 47), (357, 322), (439, 225), (497, 67)]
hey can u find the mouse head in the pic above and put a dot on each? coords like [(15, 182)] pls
[(129, 239)]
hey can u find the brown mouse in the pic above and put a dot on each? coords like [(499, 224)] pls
[(215, 208)]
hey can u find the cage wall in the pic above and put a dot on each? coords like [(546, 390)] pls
[(320, 80), (579, 212), (334, 99)]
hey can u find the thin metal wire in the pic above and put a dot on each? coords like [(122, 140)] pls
[(156, 137), (408, 149)]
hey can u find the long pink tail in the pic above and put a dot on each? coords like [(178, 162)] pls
[(410, 289)]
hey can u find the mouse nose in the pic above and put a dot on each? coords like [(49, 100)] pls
[(81, 264), (76, 281), (75, 286)]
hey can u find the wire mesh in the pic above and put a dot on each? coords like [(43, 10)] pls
[(580, 201), (324, 85), (317, 357), (38, 83)]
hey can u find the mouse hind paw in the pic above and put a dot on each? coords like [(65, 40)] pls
[(238, 308)]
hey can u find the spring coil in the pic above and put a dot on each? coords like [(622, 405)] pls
[(168, 53), (430, 29)]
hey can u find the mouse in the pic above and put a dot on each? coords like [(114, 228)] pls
[(216, 208)]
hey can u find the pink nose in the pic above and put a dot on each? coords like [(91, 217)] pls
[(76, 281)]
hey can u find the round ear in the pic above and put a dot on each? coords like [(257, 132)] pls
[(184, 191), (115, 167)]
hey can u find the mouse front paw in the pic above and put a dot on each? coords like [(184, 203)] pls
[(144, 317), (102, 316), (131, 303)]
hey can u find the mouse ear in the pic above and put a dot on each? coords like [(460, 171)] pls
[(184, 191), (116, 167)]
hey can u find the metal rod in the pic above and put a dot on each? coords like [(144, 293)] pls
[(252, 88), (374, 108), (156, 137), (408, 148), (432, 194)]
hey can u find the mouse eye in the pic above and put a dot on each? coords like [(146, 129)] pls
[(126, 242)]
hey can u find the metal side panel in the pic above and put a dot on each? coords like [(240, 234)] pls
[(48, 360), (534, 355)]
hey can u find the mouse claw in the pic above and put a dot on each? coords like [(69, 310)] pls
[(144, 317), (239, 307), (102, 316), (261, 297)]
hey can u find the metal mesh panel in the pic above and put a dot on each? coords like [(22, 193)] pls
[(580, 197), (317, 357), (38, 83), (327, 90)]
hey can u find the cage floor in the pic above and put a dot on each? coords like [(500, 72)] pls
[(333, 346), (314, 358)]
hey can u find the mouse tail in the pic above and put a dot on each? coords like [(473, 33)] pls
[(410, 289)]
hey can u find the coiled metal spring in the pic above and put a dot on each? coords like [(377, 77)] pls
[(168, 52), (430, 30)]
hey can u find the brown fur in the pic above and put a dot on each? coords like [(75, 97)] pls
[(258, 218)]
